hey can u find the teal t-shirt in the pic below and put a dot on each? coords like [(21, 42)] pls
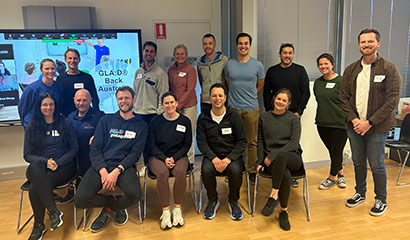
[(243, 78)]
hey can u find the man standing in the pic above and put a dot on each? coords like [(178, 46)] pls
[(118, 142), (210, 69), (73, 80), (150, 82), (245, 76), (222, 140), (102, 52), (369, 95), (290, 75)]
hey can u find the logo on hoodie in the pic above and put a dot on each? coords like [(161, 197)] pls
[(120, 133)]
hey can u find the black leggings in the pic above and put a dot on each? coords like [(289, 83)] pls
[(280, 169), (334, 140), (42, 183)]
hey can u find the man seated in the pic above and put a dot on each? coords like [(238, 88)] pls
[(118, 142), (221, 138)]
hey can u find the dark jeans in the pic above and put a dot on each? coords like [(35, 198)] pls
[(335, 141), (42, 183), (280, 170), (369, 147), (146, 153), (234, 171), (88, 196)]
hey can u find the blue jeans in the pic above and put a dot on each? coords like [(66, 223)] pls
[(370, 147)]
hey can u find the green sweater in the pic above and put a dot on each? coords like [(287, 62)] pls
[(329, 112)]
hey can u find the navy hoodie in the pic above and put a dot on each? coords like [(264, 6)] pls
[(118, 141)]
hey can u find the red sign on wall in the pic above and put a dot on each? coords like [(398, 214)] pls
[(161, 31)]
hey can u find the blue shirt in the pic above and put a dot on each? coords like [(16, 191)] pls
[(100, 51), (243, 79), (29, 97)]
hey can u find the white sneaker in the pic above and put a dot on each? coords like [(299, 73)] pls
[(341, 182), (166, 220), (141, 172), (177, 219)]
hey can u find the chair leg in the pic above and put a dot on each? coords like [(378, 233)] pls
[(402, 169), (140, 212), (19, 229), (255, 191), (75, 209), (200, 195), (191, 179), (249, 193), (144, 197), (306, 197)]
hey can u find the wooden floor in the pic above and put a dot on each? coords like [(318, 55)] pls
[(330, 219)]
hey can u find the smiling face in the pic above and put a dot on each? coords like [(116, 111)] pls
[(368, 44), (47, 107), (169, 105), (180, 55), (82, 101), (149, 54), (281, 102), (286, 56), (243, 46), (72, 60), (48, 69), (217, 97), (325, 66), (125, 101), (208, 44)]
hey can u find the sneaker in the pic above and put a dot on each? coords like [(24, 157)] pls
[(177, 219), (67, 198), (341, 182), (379, 208), (121, 217), (165, 220), (100, 221), (326, 184), (252, 178), (284, 220), (236, 213), (210, 210), (294, 183), (355, 200), (141, 172), (270, 206), (56, 197), (38, 231), (56, 219)]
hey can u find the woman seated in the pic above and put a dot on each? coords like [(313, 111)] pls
[(50, 146), (170, 137), (279, 153)]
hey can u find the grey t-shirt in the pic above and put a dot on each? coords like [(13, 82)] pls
[(243, 78)]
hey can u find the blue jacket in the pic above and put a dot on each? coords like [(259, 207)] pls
[(29, 97), (118, 141), (84, 127)]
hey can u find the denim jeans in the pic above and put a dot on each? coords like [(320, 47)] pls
[(369, 147)]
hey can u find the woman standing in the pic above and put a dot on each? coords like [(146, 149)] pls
[(182, 81), (170, 137), (279, 152), (50, 146), (330, 119)]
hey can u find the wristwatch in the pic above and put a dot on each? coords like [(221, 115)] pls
[(371, 122), (120, 169)]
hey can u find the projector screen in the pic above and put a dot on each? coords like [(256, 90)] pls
[(110, 56)]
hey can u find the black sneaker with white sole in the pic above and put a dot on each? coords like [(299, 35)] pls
[(355, 200), (121, 217), (38, 231), (378, 208), (210, 210), (56, 219), (69, 197), (101, 221)]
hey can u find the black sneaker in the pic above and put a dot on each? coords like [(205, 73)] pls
[(101, 221), (67, 198), (270, 206), (252, 178), (210, 210), (38, 231), (294, 182), (284, 220), (121, 217), (355, 200), (56, 219), (236, 213), (379, 208)]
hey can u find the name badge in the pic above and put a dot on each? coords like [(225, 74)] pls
[(182, 74), (226, 131), (139, 76), (379, 78), (55, 133), (129, 134), (78, 85), (181, 128), (330, 85)]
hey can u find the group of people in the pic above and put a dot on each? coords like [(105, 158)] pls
[(157, 118)]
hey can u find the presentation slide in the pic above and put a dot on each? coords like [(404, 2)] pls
[(110, 56)]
